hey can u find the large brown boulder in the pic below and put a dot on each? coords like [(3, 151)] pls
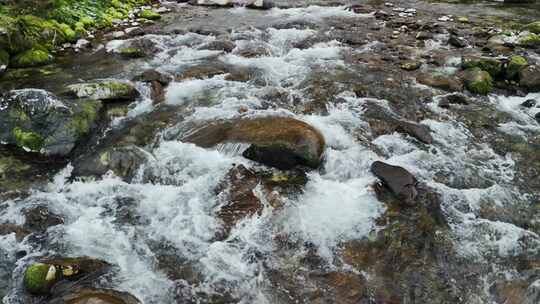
[(281, 142)]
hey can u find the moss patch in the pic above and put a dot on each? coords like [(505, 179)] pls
[(533, 27), (515, 65), (35, 278), (530, 40), (29, 140), (84, 119), (149, 14), (32, 58), (478, 81)]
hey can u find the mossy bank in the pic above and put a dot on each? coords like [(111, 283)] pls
[(31, 30)]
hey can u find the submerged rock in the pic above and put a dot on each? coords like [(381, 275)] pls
[(397, 179), (280, 142), (95, 296), (107, 90), (36, 120)]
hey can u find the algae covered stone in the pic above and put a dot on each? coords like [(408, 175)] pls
[(533, 27), (490, 65), (478, 81), (149, 14), (515, 65), (32, 58), (529, 40), (39, 277), (38, 121), (104, 90)]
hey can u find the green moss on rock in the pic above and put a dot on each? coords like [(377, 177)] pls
[(35, 278), (69, 34), (530, 40), (29, 140), (478, 81), (490, 65), (85, 117), (32, 58), (105, 90), (149, 14), (533, 27), (4, 58), (131, 52), (515, 65)]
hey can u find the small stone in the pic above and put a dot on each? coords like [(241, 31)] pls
[(529, 103), (400, 182), (411, 65)]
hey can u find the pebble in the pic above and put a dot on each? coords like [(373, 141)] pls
[(118, 34)]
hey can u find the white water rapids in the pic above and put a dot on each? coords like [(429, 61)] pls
[(338, 203)]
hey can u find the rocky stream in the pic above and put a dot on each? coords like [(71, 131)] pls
[(285, 152)]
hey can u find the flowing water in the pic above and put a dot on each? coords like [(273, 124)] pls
[(170, 205)]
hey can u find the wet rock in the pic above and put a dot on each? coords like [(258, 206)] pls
[(219, 45), (39, 219), (529, 103), (418, 131), (440, 81), (123, 161), (529, 78), (529, 40), (252, 50), (237, 190), (514, 66), (537, 117), (478, 81), (36, 120), (131, 52), (20, 232), (153, 75), (202, 71), (454, 98), (456, 41), (106, 90), (533, 27), (490, 65), (411, 65), (95, 296), (258, 4), (39, 278), (294, 143), (398, 180)]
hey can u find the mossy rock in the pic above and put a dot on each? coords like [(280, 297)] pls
[(85, 116), (529, 40), (533, 27), (515, 65), (131, 52), (490, 65), (478, 81), (39, 278), (104, 90), (28, 140), (4, 58), (149, 14), (32, 58)]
